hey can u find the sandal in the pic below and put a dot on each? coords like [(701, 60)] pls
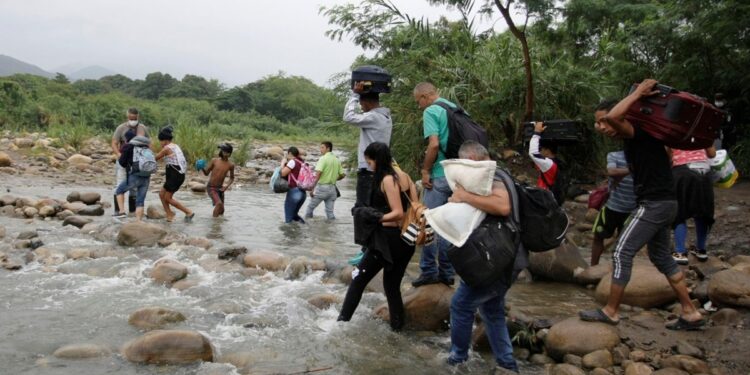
[(686, 325), (189, 218), (597, 316)]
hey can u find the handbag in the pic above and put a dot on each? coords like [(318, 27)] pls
[(279, 184), (414, 229), (488, 254), (598, 197)]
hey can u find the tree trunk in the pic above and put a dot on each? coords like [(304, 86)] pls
[(521, 36)]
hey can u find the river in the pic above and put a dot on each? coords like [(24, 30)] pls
[(264, 319)]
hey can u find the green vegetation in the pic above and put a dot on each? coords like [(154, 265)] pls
[(579, 52), (203, 113)]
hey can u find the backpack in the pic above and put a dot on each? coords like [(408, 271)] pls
[(542, 221), (144, 162), (415, 230), (306, 177), (560, 188), (461, 128)]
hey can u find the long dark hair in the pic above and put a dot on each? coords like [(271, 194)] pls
[(381, 154)]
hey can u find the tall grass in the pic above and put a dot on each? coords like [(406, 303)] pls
[(242, 154), (73, 135), (196, 141)]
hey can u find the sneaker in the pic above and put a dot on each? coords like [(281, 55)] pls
[(448, 282), (119, 214), (700, 254), (421, 280), (680, 258)]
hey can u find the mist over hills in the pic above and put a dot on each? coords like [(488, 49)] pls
[(74, 72)]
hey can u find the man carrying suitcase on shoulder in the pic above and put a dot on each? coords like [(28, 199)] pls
[(651, 222)]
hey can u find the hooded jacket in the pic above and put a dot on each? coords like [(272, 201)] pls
[(126, 156)]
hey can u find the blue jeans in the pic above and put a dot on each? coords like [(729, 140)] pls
[(441, 267), (490, 301), (323, 193), (295, 198), (680, 235), (137, 183)]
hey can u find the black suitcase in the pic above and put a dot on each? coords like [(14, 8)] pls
[(376, 79), (560, 131)]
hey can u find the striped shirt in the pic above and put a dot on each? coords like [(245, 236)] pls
[(622, 196)]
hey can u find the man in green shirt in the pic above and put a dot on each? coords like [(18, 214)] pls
[(434, 263), (329, 171)]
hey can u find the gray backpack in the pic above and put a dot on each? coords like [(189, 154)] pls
[(144, 162)]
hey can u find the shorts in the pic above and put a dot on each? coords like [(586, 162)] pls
[(607, 221), (216, 195), (174, 179)]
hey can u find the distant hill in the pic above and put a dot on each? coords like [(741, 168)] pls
[(10, 66), (90, 72)]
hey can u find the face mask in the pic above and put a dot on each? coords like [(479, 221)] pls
[(132, 122), (719, 104)]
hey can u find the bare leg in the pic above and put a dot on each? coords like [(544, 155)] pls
[(597, 248), (176, 204), (139, 213), (612, 309), (120, 203), (219, 209), (164, 197), (689, 312)]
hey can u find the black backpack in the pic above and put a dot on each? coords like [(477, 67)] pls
[(461, 128), (562, 182), (543, 222)]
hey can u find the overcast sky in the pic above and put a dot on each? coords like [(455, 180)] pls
[(234, 41)]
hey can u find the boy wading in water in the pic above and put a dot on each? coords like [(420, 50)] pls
[(651, 223), (218, 169)]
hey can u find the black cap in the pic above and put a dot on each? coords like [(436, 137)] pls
[(226, 147)]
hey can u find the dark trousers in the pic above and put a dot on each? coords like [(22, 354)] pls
[(364, 186), (372, 262)]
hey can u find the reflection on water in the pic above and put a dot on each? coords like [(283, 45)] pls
[(264, 320)]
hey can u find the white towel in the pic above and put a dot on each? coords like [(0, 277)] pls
[(455, 221), (474, 176)]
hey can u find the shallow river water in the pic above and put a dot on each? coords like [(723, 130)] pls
[(264, 319)]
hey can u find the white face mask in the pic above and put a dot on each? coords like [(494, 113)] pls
[(719, 104), (132, 122)]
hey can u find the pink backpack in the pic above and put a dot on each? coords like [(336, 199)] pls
[(306, 178)]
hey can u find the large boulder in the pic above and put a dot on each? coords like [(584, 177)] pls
[(81, 351), (427, 308), (92, 210), (90, 197), (168, 271), (686, 363), (730, 287), (79, 159), (737, 259), (323, 301), (5, 160), (593, 274), (169, 347), (560, 264), (138, 233), (647, 288), (267, 260), (77, 221), (574, 336), (149, 318), (155, 212), (196, 187)]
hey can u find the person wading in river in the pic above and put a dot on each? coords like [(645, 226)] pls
[(218, 169), (175, 174), (118, 141)]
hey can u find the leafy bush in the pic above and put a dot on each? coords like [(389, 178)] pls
[(73, 135)]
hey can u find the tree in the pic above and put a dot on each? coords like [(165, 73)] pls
[(195, 87), (155, 85), (61, 78)]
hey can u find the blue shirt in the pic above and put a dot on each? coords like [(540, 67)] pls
[(622, 195)]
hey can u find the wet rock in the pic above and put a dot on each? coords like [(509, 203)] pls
[(5, 160), (427, 308), (201, 242), (77, 221), (593, 274), (139, 233), (90, 197), (73, 196), (79, 159), (573, 359), (197, 187), (8, 200), (725, 317), (560, 264), (685, 348), (92, 210), (47, 211), (30, 212), (709, 267), (81, 351), (79, 253), (323, 301), (155, 212), (74, 206), (300, 266), (566, 369), (267, 260), (730, 287), (153, 317), (647, 288), (171, 238), (541, 359), (685, 363), (600, 358), (231, 252), (27, 235), (168, 271), (573, 336), (619, 354), (739, 259), (169, 347), (669, 371), (638, 368)]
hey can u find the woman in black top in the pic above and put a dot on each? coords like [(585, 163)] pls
[(385, 249)]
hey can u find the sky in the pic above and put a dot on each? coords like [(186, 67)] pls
[(234, 41)]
